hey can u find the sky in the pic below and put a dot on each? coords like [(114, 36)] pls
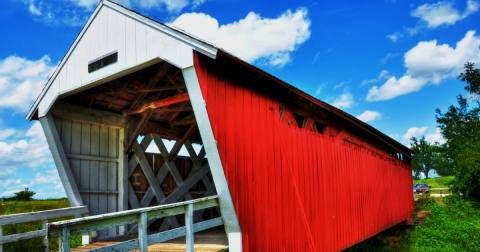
[(390, 63)]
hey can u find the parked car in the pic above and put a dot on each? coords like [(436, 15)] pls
[(418, 188)]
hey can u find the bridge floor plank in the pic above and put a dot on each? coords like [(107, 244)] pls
[(211, 240)]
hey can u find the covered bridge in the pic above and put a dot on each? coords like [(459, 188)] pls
[(292, 173)]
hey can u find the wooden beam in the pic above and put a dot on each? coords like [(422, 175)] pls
[(125, 85), (136, 133), (140, 90), (147, 170), (178, 144), (163, 110), (151, 83), (190, 119), (157, 104), (106, 118), (60, 159)]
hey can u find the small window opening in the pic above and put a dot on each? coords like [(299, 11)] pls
[(280, 112), (300, 120), (320, 127)]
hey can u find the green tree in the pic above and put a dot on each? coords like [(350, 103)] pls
[(472, 78), (426, 157), (460, 126), (25, 195)]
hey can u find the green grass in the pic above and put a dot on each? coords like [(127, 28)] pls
[(35, 244), (454, 225), (440, 182)]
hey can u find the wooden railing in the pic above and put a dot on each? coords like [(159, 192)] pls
[(36, 216), (63, 229)]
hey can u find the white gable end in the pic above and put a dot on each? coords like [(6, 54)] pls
[(137, 40)]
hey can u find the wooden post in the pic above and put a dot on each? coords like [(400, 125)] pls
[(142, 232), (189, 227), (45, 238), (64, 240)]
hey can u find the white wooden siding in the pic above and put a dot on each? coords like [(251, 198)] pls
[(137, 41), (93, 177)]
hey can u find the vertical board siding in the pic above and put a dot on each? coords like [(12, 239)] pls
[(296, 190), (98, 141), (109, 31)]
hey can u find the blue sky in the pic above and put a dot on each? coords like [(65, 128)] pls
[(390, 63)]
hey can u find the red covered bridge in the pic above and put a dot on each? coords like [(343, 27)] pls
[(292, 173)]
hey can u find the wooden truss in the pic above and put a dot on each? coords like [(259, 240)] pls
[(199, 172)]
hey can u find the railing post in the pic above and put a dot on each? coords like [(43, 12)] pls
[(64, 240), (189, 227), (45, 238), (142, 232)]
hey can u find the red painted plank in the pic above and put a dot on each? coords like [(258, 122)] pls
[(296, 190)]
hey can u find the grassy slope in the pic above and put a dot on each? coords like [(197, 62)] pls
[(454, 225), (35, 244), (440, 182)]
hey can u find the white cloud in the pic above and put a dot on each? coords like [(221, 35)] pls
[(383, 75), (435, 15), (50, 178), (395, 36), (369, 116), (345, 100), (435, 137), (21, 80), (394, 136), (320, 88), (383, 61), (88, 4), (443, 13), (254, 38), (414, 132), (9, 193), (32, 151), (6, 133), (429, 63)]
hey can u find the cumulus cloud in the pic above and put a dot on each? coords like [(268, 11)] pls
[(443, 13), (21, 80), (383, 75), (345, 100), (14, 152), (435, 137), (77, 12), (429, 63), (254, 38), (435, 15), (51, 177), (369, 116), (414, 132)]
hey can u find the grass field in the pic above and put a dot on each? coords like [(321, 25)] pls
[(36, 244), (454, 225)]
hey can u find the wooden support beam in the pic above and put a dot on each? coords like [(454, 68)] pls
[(124, 86), (178, 144), (147, 170), (133, 162), (190, 119), (157, 104), (90, 115), (136, 133), (151, 83), (140, 90)]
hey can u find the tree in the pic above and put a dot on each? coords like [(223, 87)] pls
[(425, 158), (472, 78), (25, 195), (460, 126)]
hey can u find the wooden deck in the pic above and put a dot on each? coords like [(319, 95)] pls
[(211, 240)]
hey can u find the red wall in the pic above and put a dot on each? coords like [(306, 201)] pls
[(295, 190)]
